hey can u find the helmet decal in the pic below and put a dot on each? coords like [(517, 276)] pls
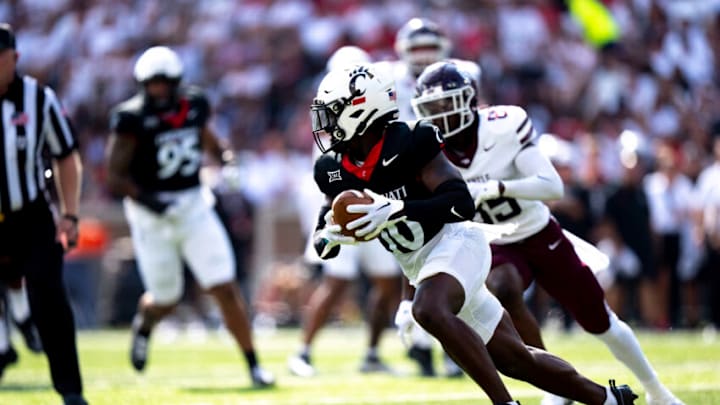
[(360, 71), (349, 101)]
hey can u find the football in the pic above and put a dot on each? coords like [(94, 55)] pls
[(339, 208)]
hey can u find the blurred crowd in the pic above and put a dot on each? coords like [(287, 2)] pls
[(629, 89)]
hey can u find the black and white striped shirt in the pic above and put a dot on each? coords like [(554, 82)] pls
[(32, 121)]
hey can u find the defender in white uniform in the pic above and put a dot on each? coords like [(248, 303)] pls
[(509, 178)]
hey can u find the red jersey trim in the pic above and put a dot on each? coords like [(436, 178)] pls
[(364, 171), (176, 120)]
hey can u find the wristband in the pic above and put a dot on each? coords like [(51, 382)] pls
[(72, 218), (227, 158)]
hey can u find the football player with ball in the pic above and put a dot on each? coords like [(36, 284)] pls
[(421, 210), (338, 273)]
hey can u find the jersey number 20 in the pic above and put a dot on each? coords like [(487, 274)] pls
[(179, 156)]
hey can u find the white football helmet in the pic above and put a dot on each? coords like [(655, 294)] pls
[(420, 43), (349, 100), (347, 56), (158, 62)]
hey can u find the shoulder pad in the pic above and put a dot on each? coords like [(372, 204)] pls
[(426, 127), (192, 91), (509, 121), (326, 171), (124, 117), (423, 125), (133, 105), (327, 160), (410, 124), (423, 144), (415, 128)]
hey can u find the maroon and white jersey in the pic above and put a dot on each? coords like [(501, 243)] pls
[(503, 132)]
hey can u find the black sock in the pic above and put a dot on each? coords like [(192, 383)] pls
[(143, 324), (251, 359), (25, 326)]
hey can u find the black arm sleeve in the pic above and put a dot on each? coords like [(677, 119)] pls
[(450, 202), (320, 243)]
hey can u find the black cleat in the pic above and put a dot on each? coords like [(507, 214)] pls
[(623, 394), (423, 357), (74, 399), (7, 358), (373, 364), (138, 346), (30, 335)]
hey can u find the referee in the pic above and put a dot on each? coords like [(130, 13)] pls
[(31, 239)]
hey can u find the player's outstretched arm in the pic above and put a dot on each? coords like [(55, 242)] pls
[(539, 181)]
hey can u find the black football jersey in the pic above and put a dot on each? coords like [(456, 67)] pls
[(392, 169), (168, 153)]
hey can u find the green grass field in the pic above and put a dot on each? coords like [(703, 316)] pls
[(210, 371)]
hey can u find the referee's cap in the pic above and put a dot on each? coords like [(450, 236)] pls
[(7, 36)]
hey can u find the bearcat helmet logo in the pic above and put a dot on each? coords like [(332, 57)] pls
[(355, 74)]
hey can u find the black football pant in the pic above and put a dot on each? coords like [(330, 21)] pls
[(28, 248)]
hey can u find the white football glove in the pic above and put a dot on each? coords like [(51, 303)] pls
[(486, 190), (331, 233), (377, 215), (231, 178), (404, 322)]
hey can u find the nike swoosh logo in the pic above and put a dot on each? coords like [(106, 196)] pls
[(555, 244), (487, 148), (386, 162), (452, 211)]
